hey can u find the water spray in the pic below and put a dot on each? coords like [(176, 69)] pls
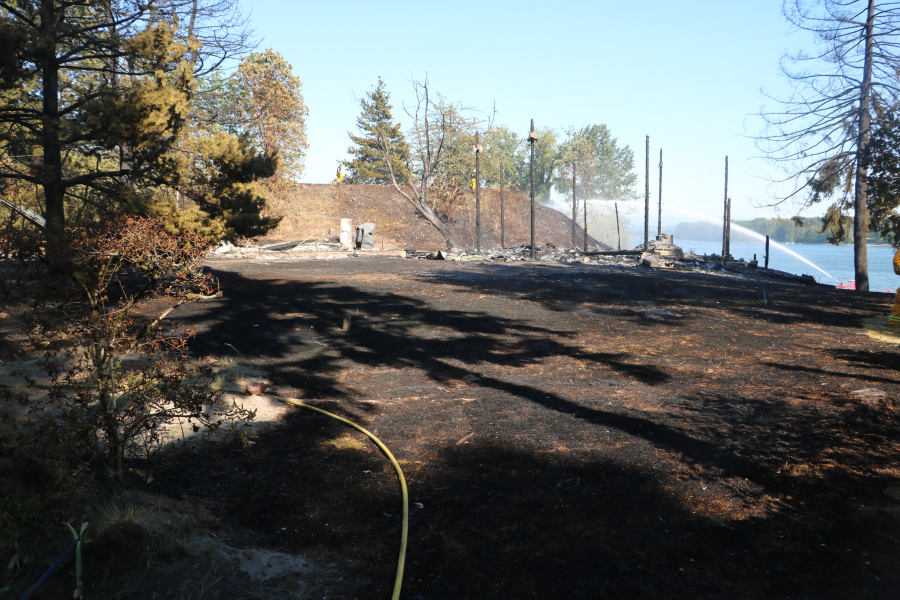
[(750, 232)]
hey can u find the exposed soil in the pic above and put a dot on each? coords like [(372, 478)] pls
[(309, 211), (566, 432)]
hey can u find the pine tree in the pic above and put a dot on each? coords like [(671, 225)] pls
[(376, 126), (94, 118)]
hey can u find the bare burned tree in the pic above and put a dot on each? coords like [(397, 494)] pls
[(431, 137), (221, 31), (820, 132)]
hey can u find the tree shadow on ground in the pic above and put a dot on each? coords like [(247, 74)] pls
[(883, 360), (817, 371), (794, 303), (385, 331), (502, 518), (502, 514), (399, 332)]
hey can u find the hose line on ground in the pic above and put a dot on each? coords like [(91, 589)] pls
[(398, 581)]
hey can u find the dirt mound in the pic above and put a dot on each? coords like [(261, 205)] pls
[(313, 210)]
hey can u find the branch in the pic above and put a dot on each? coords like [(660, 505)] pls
[(88, 177)]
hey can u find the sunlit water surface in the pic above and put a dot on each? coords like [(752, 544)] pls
[(836, 260)]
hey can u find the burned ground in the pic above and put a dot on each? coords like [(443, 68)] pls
[(566, 432), (633, 433)]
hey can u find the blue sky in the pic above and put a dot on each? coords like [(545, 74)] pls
[(687, 74)]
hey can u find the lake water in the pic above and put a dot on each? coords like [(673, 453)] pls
[(836, 260)]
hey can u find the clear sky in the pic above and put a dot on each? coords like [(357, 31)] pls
[(688, 74)]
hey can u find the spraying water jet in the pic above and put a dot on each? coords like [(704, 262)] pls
[(600, 206)]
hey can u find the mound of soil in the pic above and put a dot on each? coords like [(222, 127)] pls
[(311, 211)]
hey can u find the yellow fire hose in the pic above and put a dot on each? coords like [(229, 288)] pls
[(398, 581)]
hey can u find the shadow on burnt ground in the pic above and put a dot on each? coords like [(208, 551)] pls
[(497, 519), (883, 360), (481, 339), (617, 291), (571, 528), (626, 533), (385, 332), (817, 371)]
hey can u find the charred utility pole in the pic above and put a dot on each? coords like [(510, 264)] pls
[(726, 218), (574, 208), (502, 210), (531, 140), (647, 198), (618, 231), (767, 252), (477, 192), (659, 227)]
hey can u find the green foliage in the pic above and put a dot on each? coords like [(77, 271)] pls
[(93, 102), (222, 185), (814, 131), (376, 126), (546, 155), (451, 137), (502, 149), (116, 134), (883, 159), (603, 170)]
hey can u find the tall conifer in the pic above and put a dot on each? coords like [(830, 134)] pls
[(376, 126)]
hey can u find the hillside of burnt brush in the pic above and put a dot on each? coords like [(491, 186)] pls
[(310, 211)]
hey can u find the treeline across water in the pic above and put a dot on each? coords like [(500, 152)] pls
[(788, 231)]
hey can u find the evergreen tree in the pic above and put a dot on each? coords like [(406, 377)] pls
[(883, 158), (374, 122), (94, 117), (93, 96)]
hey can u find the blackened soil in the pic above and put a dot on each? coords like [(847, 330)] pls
[(628, 433)]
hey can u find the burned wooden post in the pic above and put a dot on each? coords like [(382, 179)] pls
[(618, 230), (502, 210), (767, 252), (477, 192), (647, 198), (725, 217), (574, 208), (531, 140), (584, 212), (728, 228), (659, 226)]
